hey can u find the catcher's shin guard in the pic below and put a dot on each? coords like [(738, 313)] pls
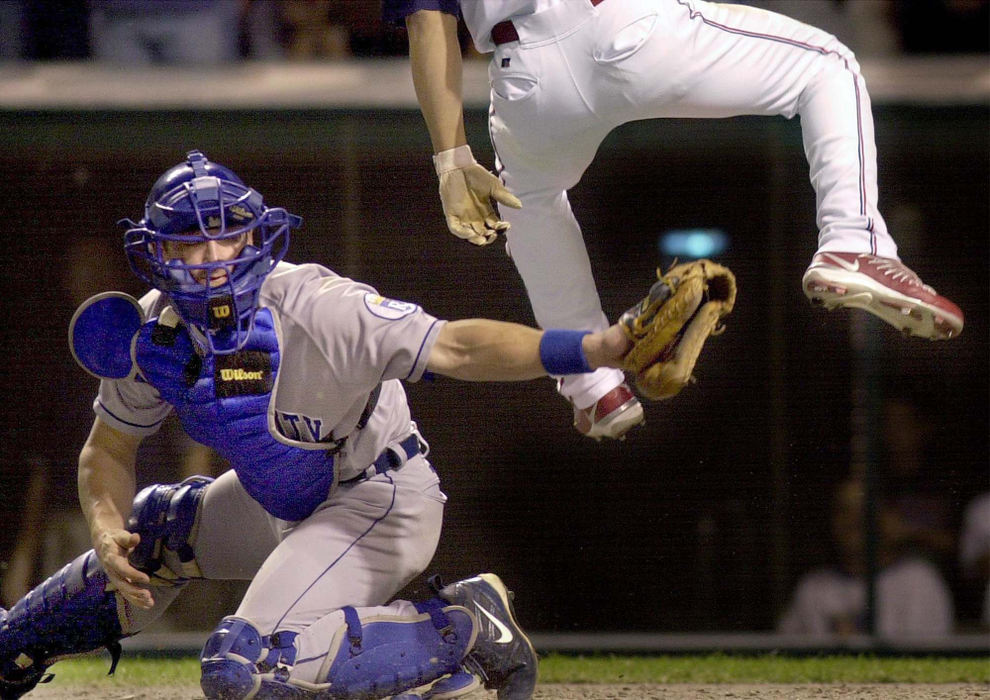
[(72, 612), (372, 658), (238, 662), (382, 656)]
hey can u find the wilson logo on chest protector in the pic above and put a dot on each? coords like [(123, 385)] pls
[(239, 375), (248, 372)]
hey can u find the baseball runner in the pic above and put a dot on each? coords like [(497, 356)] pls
[(564, 73), (293, 374)]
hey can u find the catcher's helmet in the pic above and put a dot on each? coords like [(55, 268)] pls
[(195, 201)]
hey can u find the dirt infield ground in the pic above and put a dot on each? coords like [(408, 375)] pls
[(842, 691), (761, 692)]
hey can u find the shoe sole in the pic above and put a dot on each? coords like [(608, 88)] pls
[(455, 685), (835, 288), (618, 424)]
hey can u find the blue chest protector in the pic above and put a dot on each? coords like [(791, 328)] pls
[(222, 402)]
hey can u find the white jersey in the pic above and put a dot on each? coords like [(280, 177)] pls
[(481, 15), (913, 602), (338, 340)]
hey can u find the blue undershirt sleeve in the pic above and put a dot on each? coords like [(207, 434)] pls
[(396, 11)]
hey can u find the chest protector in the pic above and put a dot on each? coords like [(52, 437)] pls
[(222, 401)]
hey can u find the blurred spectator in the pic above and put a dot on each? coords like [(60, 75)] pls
[(329, 29), (913, 600), (919, 513), (138, 32), (313, 33), (261, 30), (974, 552)]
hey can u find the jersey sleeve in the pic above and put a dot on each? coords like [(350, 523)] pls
[(360, 333), (395, 336), (396, 11), (130, 406)]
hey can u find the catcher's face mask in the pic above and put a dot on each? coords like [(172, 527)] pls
[(200, 202)]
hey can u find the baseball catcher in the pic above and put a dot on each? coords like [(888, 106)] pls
[(670, 326)]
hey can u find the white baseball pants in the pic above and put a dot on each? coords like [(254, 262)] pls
[(578, 71)]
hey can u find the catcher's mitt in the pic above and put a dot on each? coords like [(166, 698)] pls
[(669, 327)]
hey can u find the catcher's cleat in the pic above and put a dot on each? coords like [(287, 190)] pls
[(884, 287), (21, 682), (16, 681), (611, 416), (453, 686), (502, 656)]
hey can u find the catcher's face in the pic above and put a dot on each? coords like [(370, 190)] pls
[(200, 255)]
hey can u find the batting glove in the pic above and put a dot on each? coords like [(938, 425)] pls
[(468, 192)]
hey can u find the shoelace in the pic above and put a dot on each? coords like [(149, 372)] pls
[(897, 271)]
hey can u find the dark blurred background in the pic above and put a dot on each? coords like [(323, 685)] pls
[(703, 521)]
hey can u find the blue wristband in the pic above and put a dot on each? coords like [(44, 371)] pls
[(561, 352)]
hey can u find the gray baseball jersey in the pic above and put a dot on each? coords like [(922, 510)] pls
[(338, 340)]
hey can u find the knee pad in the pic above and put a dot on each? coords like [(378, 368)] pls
[(166, 515), (72, 612), (383, 656), (238, 662)]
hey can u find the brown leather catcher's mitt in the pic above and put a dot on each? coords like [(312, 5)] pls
[(670, 326)]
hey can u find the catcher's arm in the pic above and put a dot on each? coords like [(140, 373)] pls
[(467, 190), (480, 349), (107, 485), (659, 338)]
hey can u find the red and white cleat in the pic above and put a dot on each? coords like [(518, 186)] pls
[(612, 416), (884, 287)]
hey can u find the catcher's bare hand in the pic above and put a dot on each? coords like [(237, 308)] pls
[(468, 193), (112, 547), (607, 348)]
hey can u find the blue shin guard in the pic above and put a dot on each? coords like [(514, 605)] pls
[(375, 658), (238, 662), (72, 612), (380, 657)]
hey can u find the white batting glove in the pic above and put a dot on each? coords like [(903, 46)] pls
[(466, 192)]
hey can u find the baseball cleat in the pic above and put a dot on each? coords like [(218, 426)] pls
[(884, 287), (611, 416), (18, 676), (455, 685), (502, 656)]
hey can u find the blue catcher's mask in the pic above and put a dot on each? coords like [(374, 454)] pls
[(196, 201)]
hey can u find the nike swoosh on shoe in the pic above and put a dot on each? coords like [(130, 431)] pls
[(504, 633), (852, 267)]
